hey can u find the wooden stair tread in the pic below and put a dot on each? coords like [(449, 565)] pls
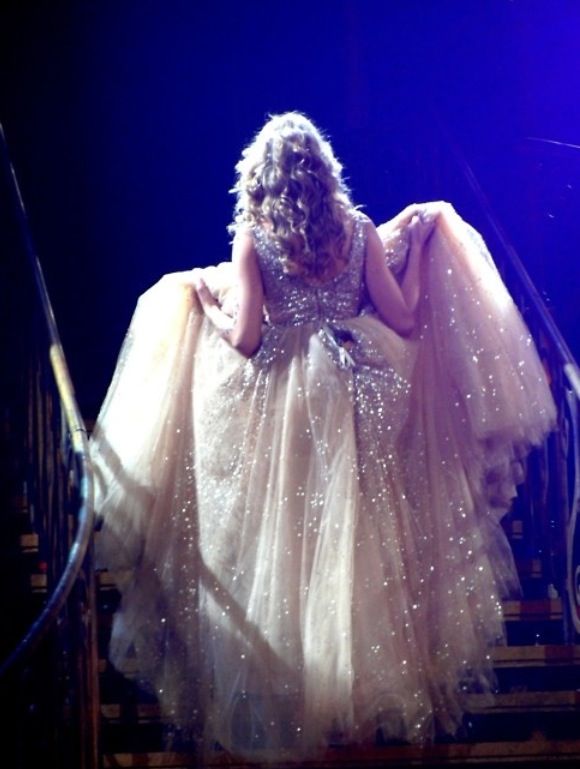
[(534, 609), (536, 655), (521, 701), (29, 542), (527, 567), (525, 701), (147, 759), (144, 711), (456, 753), (515, 528), (503, 657)]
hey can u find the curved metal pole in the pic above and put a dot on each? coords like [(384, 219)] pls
[(76, 430), (567, 360)]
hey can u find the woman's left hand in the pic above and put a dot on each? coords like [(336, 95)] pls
[(420, 229)]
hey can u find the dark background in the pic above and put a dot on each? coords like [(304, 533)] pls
[(125, 119)]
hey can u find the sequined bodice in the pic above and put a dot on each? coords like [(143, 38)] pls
[(291, 301)]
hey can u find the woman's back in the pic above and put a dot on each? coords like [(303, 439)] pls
[(293, 300)]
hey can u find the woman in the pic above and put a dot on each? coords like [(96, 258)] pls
[(304, 472)]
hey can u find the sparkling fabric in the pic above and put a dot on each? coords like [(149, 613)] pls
[(308, 541)]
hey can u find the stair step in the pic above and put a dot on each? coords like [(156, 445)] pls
[(528, 609), (536, 656), (532, 620), (143, 712), (503, 657), (107, 580), (514, 529), (544, 610), (38, 582), (525, 702), (528, 568), (541, 609), (29, 543), (155, 760), (526, 753), (511, 702)]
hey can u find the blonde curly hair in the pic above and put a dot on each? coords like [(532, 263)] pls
[(290, 182)]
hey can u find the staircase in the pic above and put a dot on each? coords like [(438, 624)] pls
[(47, 571), (534, 719)]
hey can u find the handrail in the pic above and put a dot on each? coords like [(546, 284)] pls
[(77, 433), (569, 365), (557, 513)]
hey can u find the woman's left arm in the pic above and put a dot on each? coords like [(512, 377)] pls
[(245, 332)]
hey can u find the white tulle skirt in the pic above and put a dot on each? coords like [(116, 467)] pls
[(308, 544)]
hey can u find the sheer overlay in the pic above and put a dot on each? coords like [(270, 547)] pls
[(308, 542)]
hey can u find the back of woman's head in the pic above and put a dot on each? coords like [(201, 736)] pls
[(290, 182)]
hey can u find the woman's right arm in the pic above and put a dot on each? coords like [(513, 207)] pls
[(244, 333), (395, 304)]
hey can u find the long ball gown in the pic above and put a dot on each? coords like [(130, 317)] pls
[(307, 542)]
